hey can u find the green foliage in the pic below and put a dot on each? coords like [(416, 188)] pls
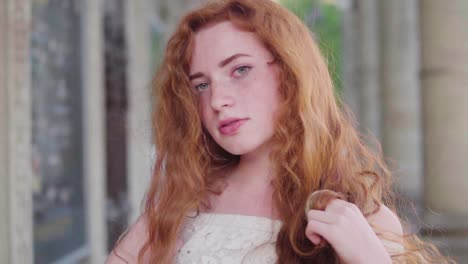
[(302, 8), (157, 48), (325, 21), (329, 34)]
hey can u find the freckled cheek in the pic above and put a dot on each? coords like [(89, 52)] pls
[(200, 108), (204, 113), (203, 103)]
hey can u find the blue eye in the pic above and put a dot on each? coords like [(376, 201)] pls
[(243, 70), (201, 87)]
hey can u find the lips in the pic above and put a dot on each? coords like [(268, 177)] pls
[(231, 125)]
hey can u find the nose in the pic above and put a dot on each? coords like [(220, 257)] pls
[(221, 96)]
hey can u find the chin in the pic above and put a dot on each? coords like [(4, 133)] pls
[(241, 149), (236, 150)]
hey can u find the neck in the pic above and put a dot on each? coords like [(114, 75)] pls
[(255, 169), (249, 190)]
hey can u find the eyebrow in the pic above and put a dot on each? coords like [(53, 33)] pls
[(231, 58), (221, 64)]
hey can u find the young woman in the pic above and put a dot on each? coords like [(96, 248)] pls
[(256, 160)]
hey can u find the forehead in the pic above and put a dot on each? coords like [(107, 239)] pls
[(215, 42)]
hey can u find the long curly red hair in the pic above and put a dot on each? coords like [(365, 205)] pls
[(315, 145)]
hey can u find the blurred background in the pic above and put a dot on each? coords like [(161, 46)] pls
[(75, 125)]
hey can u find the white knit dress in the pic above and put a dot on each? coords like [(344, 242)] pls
[(234, 239), (228, 239)]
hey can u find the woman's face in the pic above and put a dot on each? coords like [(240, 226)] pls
[(237, 85)]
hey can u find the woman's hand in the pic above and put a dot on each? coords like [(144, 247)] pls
[(346, 229)]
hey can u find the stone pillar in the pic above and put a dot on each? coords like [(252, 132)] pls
[(93, 129), (401, 103), (351, 91), (445, 116), (16, 235), (137, 30), (368, 71)]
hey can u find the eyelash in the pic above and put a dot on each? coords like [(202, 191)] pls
[(197, 87), (243, 67)]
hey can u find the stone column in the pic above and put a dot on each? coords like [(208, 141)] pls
[(93, 129), (137, 30), (401, 103), (445, 116), (368, 71), (16, 237), (351, 91)]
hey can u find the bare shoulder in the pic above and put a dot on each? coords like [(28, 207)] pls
[(127, 249), (386, 220)]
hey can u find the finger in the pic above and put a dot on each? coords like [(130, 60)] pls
[(322, 216), (317, 228), (343, 203), (341, 207), (314, 238), (322, 196)]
